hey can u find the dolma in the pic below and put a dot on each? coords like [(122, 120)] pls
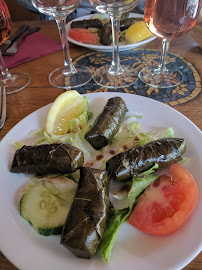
[(106, 34), (86, 220), (91, 23), (47, 159), (126, 23), (164, 152), (107, 123)]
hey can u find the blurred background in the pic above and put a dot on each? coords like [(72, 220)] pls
[(19, 13)]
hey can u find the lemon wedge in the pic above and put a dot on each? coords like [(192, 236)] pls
[(67, 106), (137, 32)]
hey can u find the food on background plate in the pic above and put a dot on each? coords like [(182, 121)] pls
[(152, 151), (92, 23), (164, 152), (100, 31), (83, 35), (106, 34), (47, 159), (86, 220), (107, 124), (137, 32), (126, 23)]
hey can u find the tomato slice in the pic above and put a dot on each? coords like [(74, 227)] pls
[(83, 35), (167, 203)]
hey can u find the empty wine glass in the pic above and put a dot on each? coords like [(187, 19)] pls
[(15, 81), (168, 19), (69, 75), (115, 75)]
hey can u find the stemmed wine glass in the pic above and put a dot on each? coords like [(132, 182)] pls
[(115, 75), (15, 81), (69, 75), (168, 19)]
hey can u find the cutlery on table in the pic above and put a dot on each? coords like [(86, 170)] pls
[(2, 106), (12, 50), (9, 41)]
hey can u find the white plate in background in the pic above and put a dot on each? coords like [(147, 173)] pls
[(104, 48)]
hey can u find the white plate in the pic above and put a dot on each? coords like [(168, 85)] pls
[(104, 48), (133, 249)]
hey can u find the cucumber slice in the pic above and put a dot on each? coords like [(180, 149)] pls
[(43, 210), (67, 196)]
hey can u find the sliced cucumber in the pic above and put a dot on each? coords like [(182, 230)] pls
[(67, 196), (43, 210)]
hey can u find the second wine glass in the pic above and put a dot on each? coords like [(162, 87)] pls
[(68, 76), (115, 75), (168, 19)]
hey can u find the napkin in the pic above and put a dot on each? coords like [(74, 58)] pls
[(32, 47)]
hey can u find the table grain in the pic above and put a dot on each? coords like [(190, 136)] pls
[(40, 93)]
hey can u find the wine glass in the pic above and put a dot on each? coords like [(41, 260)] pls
[(15, 81), (168, 19), (69, 75), (115, 75)]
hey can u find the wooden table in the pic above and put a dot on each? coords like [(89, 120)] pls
[(40, 92)]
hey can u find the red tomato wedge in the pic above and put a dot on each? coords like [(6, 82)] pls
[(83, 35), (167, 203)]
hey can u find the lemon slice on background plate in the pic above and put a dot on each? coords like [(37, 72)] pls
[(137, 32), (67, 106)]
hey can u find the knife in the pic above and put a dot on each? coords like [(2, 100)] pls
[(9, 41)]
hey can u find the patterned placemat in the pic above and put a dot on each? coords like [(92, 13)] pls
[(186, 91)]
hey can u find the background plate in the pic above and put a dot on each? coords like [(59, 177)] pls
[(108, 48), (27, 250)]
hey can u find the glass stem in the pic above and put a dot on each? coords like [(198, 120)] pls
[(5, 75), (115, 68), (164, 52), (68, 65)]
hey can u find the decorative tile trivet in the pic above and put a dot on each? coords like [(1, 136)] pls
[(186, 91)]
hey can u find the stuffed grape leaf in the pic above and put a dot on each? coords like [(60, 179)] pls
[(47, 159), (86, 220), (107, 123), (164, 152)]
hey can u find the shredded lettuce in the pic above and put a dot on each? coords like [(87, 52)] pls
[(98, 16), (17, 145), (77, 128), (75, 139), (37, 132), (130, 135), (89, 115)]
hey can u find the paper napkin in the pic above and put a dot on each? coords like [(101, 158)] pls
[(32, 47)]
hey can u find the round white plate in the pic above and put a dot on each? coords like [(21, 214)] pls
[(27, 250), (104, 48)]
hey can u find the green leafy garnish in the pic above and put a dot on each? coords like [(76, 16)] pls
[(116, 218)]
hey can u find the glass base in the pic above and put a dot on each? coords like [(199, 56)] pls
[(125, 77), (59, 79), (16, 82), (154, 76)]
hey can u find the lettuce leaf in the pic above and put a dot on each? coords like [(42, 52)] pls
[(116, 218)]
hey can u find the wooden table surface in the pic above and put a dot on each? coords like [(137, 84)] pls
[(40, 92)]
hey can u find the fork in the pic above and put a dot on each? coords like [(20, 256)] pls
[(12, 50), (2, 106)]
